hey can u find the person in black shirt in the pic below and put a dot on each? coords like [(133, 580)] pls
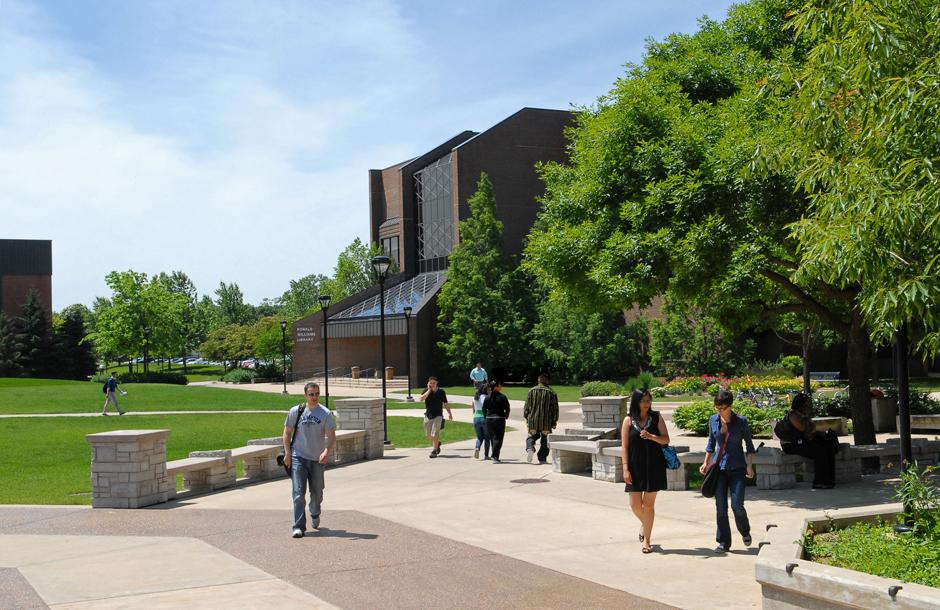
[(496, 410), (435, 401)]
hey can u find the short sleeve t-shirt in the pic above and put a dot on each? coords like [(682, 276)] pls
[(434, 403), (310, 440), (112, 384)]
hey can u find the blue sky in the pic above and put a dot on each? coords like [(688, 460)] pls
[(231, 140)]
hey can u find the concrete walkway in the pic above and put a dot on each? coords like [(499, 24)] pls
[(405, 531)]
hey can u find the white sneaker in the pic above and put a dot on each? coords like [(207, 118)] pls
[(529, 455), (298, 533)]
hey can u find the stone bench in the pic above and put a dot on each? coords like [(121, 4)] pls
[(608, 464), (202, 471), (921, 422), (350, 447), (839, 425), (774, 468), (572, 455)]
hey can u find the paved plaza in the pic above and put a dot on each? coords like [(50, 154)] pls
[(403, 532)]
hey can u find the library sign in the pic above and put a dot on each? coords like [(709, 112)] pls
[(306, 334)]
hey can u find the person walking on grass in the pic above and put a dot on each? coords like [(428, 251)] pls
[(642, 437), (731, 435), (496, 411), (110, 391), (435, 401), (306, 454), (478, 376), (479, 424), (541, 416)]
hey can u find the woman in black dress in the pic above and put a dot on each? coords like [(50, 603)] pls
[(644, 468)]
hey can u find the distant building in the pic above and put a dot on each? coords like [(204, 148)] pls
[(25, 265), (415, 207)]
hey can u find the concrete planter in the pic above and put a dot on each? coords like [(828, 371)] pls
[(884, 411), (788, 581)]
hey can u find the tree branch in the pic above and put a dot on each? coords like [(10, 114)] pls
[(812, 304)]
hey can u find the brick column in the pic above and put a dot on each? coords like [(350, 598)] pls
[(604, 411), (128, 468), (363, 414)]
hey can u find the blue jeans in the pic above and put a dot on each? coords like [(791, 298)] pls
[(483, 436), (306, 473), (733, 481)]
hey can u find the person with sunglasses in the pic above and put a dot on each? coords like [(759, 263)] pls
[(729, 434), (306, 453)]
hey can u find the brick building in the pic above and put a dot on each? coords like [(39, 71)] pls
[(25, 264), (414, 208)]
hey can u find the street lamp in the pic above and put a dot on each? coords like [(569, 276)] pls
[(284, 352), (146, 349), (407, 311), (325, 306), (380, 264)]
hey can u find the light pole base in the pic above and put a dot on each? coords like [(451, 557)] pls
[(387, 445), (410, 398)]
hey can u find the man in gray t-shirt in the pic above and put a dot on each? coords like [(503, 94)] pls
[(315, 439)]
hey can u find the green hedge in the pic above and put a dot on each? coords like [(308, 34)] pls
[(151, 377), (695, 415), (601, 388)]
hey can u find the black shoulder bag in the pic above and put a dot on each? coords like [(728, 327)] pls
[(293, 435)]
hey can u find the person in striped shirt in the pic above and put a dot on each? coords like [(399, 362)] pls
[(541, 416)]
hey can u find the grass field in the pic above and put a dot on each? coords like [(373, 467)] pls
[(417, 404), (566, 393), (60, 396), (48, 461)]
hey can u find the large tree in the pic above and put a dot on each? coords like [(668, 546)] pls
[(34, 338), (142, 315), (669, 191), (194, 318), (9, 354), (232, 306), (74, 354), (486, 305), (867, 150)]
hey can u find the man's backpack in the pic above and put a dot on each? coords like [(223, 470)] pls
[(104, 388)]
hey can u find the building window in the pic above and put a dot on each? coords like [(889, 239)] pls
[(435, 206), (390, 248)]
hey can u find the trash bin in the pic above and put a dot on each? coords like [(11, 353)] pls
[(355, 372), (390, 373), (883, 414)]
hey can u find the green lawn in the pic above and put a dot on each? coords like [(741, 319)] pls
[(401, 404), (60, 396), (194, 372), (48, 461), (926, 384), (566, 393)]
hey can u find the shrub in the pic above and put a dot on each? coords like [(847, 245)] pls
[(151, 377), (922, 499), (832, 405), (695, 415), (643, 381), (684, 385), (921, 402), (601, 388), (794, 364), (269, 370), (239, 376), (658, 392)]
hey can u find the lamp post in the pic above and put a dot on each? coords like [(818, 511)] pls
[(146, 349), (284, 353), (325, 306), (407, 311), (380, 264)]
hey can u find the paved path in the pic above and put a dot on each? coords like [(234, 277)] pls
[(405, 531)]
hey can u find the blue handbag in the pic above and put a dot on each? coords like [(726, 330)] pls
[(672, 458)]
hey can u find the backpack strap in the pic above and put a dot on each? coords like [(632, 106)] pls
[(293, 434)]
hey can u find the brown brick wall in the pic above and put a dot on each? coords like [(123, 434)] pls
[(15, 288)]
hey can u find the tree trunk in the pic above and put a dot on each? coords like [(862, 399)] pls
[(859, 366), (806, 384)]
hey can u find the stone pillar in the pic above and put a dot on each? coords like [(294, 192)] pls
[(363, 414), (604, 411), (219, 476), (128, 468)]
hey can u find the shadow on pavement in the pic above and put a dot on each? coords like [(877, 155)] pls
[(325, 532)]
